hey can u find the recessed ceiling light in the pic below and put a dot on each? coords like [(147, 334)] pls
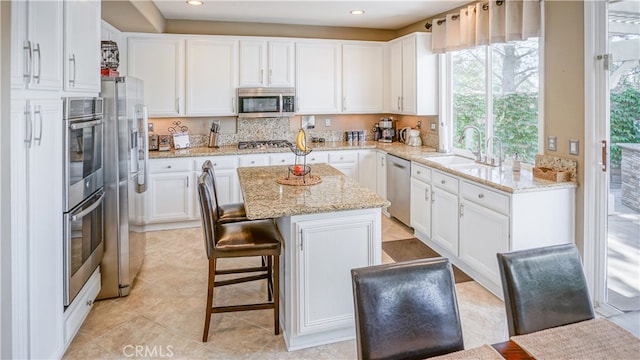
[(195, 2), (356, 12)]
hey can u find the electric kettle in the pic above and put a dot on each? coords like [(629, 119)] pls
[(403, 135), (414, 138)]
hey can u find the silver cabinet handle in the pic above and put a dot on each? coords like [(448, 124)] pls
[(270, 76), (168, 166), (426, 194), (461, 210), (29, 128), (433, 196), (262, 75), (480, 196), (38, 113), (178, 105), (37, 49), (72, 81), (443, 182), (187, 181), (344, 103), (28, 61)]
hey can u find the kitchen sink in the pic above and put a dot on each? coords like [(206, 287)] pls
[(452, 160)]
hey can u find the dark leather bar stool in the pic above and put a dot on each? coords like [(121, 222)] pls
[(406, 310), (227, 212), (259, 238), (544, 288)]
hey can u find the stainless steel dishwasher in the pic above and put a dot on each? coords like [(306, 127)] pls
[(398, 187)]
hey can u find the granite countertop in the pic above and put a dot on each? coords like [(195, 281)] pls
[(503, 179), (265, 198)]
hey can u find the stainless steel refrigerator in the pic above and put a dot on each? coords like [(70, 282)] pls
[(125, 180)]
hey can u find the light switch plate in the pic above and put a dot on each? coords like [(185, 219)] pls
[(433, 125), (327, 122), (552, 143), (574, 147)]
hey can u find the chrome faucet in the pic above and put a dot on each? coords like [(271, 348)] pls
[(492, 163), (478, 152)]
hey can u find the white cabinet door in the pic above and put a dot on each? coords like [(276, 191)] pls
[(362, 78), (36, 45), (45, 230), (367, 161), (421, 206), (395, 75), (444, 219), (170, 197), (408, 100), (483, 233), (82, 46), (325, 299), (159, 62), (281, 60), (211, 77), (227, 184), (266, 63), (318, 74), (381, 174)]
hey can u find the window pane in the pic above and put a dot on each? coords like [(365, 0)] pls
[(515, 98), (468, 95)]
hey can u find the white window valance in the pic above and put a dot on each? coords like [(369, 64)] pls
[(485, 23)]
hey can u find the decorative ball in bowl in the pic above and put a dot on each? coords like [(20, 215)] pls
[(300, 170)]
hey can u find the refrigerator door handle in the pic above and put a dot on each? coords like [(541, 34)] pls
[(143, 167)]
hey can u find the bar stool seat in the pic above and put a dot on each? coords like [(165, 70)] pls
[(227, 212), (259, 238)]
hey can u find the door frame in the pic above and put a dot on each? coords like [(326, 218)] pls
[(596, 182)]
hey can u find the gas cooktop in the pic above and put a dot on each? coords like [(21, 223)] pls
[(264, 144)]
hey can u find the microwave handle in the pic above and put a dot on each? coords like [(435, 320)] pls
[(83, 213)]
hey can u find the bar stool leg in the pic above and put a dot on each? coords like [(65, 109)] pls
[(276, 293), (207, 318), (269, 278)]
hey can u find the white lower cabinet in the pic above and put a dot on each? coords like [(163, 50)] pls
[(345, 161), (367, 162), (381, 174), (320, 251), (75, 313), (171, 196), (483, 233), (444, 211), (421, 200)]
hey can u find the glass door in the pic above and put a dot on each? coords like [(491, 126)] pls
[(623, 157)]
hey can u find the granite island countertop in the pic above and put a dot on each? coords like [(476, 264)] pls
[(265, 198), (503, 179)]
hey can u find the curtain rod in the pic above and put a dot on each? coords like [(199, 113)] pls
[(485, 7)]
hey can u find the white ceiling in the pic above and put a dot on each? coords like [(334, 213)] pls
[(389, 15)]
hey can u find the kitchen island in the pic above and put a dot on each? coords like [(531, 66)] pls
[(328, 229)]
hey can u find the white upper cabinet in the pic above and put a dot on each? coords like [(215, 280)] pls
[(211, 79), (318, 75), (36, 45), (362, 78), (159, 62), (82, 46), (266, 63), (413, 75)]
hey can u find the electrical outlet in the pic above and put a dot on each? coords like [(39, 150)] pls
[(574, 147), (433, 125), (327, 122), (552, 143)]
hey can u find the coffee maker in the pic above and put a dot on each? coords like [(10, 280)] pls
[(387, 131)]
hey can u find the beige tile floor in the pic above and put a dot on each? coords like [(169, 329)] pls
[(163, 316)]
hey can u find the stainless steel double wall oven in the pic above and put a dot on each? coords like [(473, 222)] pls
[(83, 193)]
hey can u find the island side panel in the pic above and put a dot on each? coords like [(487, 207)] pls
[(320, 251)]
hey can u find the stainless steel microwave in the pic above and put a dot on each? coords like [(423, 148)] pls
[(266, 102)]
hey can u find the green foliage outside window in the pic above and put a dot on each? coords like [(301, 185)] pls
[(625, 120), (515, 121)]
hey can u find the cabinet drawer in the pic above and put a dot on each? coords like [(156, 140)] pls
[(444, 181), (420, 172), (254, 160), (282, 159), (485, 197), (219, 162), (318, 157), (170, 165), (343, 157)]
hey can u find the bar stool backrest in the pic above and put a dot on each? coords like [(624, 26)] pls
[(207, 211)]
